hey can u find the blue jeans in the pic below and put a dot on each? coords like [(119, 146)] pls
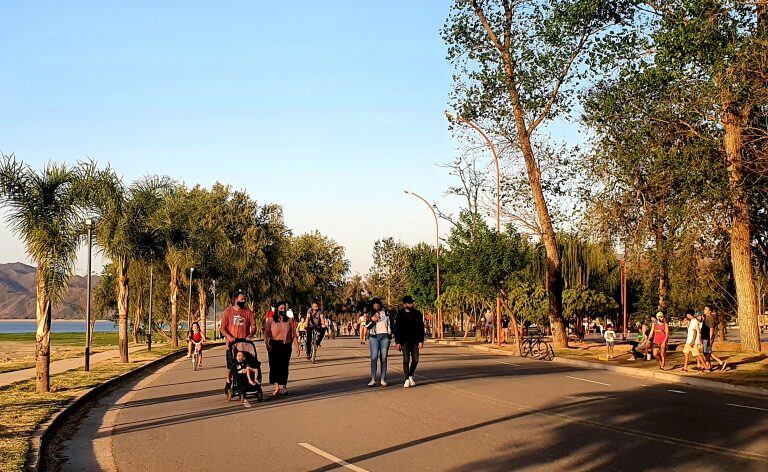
[(379, 350)]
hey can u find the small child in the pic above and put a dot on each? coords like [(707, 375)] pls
[(610, 338), (245, 373)]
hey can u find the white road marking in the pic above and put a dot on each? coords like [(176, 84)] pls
[(587, 380), (581, 397), (747, 406), (246, 403), (675, 391), (332, 458), (507, 363)]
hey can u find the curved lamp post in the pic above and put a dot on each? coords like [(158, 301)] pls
[(437, 259), (498, 200)]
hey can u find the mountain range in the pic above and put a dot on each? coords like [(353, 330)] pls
[(17, 294)]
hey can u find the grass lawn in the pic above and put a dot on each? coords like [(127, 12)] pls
[(21, 409), (64, 339), (17, 350), (748, 369)]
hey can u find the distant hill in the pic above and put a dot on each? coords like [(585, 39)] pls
[(17, 294)]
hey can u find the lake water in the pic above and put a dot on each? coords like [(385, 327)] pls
[(57, 326)]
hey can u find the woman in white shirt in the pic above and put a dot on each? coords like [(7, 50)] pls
[(377, 323)]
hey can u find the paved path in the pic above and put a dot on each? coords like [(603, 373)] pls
[(470, 411), (63, 365)]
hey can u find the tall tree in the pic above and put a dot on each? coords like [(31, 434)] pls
[(172, 223), (722, 45), (125, 233), (46, 211), (518, 65)]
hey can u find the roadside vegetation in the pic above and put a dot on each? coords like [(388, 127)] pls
[(22, 409)]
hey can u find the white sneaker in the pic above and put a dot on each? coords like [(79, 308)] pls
[(407, 383), (384, 383), (411, 382), (372, 383)]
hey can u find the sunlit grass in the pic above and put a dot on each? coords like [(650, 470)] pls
[(21, 409)]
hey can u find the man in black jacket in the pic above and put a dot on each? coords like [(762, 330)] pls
[(409, 336)]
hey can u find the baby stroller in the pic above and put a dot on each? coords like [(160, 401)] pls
[(240, 386)]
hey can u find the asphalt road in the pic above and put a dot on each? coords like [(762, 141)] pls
[(469, 411)]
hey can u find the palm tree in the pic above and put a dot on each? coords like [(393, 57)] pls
[(173, 223), (125, 234), (46, 211)]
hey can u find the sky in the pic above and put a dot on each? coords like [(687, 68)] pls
[(330, 109)]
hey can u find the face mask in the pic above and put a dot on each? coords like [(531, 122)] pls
[(281, 312), (241, 304)]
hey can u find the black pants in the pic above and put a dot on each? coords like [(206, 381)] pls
[(320, 335), (279, 359), (410, 358)]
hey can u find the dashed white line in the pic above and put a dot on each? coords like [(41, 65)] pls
[(332, 458), (507, 363), (747, 406), (587, 380), (675, 391)]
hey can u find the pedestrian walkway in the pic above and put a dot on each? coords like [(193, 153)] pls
[(63, 365), (749, 375)]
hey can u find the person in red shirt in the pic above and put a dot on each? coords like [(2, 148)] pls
[(195, 340), (237, 322)]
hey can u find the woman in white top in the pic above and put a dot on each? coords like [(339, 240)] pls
[(378, 326)]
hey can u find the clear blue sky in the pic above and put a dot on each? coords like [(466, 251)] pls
[(329, 108)]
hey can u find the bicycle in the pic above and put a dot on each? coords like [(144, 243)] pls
[(536, 347), (314, 345), (196, 354), (303, 341)]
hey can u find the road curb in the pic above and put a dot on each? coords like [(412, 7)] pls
[(648, 374), (47, 429)]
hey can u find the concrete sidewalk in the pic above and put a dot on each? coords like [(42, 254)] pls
[(63, 365), (665, 376)]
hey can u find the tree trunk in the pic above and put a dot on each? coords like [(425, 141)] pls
[(43, 334), (663, 262), (174, 290), (121, 266), (202, 303), (554, 264), (139, 309), (741, 250)]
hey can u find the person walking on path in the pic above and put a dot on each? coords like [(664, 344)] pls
[(708, 334), (377, 325), (237, 322), (409, 336), (362, 330), (692, 341), (660, 339), (610, 338), (279, 333)]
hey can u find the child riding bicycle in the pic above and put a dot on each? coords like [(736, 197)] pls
[(195, 340)]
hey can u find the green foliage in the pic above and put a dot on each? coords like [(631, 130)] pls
[(46, 210), (583, 302)]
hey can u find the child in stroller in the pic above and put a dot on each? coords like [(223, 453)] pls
[(244, 370)]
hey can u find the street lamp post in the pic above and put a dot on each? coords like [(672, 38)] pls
[(189, 308), (214, 310), (437, 259), (498, 202), (89, 227), (149, 317)]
